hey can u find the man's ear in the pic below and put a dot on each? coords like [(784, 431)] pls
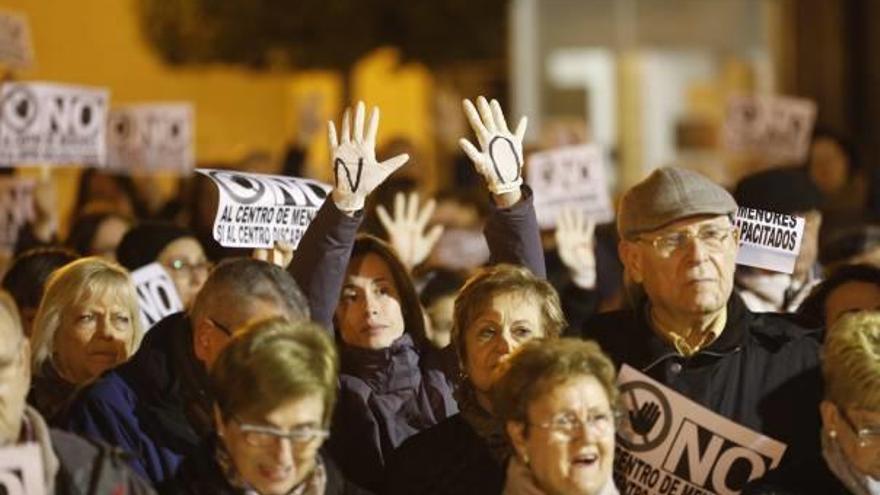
[(631, 257), (201, 339), (517, 433)]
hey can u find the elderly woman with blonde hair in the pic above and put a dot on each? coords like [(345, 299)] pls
[(87, 322), (850, 457), (558, 401)]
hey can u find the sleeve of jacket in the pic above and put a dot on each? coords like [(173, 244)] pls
[(322, 257), (513, 235), (578, 305)]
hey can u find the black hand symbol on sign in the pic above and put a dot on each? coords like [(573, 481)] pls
[(643, 420), (353, 186)]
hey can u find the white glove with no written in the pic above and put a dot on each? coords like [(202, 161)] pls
[(574, 240), (500, 157), (356, 171)]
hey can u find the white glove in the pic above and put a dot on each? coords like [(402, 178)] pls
[(356, 171), (501, 159), (406, 229), (574, 240)]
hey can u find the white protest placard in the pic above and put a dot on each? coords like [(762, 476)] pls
[(669, 444), (776, 127), (16, 209), (257, 210), (157, 295), (52, 123), (569, 176), (151, 137), (16, 49), (21, 470), (768, 240)]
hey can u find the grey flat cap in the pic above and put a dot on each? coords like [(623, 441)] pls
[(667, 195)]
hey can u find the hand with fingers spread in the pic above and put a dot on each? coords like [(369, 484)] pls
[(643, 420), (500, 157), (574, 241), (406, 229), (356, 171)]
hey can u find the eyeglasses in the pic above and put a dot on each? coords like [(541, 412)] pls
[(711, 236), (569, 426), (868, 437), (189, 269), (218, 326), (264, 436)]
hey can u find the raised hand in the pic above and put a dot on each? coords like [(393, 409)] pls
[(500, 157), (406, 229), (574, 241), (356, 171), (643, 420)]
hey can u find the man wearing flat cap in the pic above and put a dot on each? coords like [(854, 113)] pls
[(691, 332)]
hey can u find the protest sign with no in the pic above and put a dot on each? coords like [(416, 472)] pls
[(778, 128), (151, 137), (157, 295), (52, 123), (257, 210), (571, 176), (669, 444), (16, 209), (15, 41), (768, 240), (21, 470)]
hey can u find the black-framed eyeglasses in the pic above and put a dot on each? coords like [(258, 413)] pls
[(264, 436), (711, 236), (219, 326), (868, 437)]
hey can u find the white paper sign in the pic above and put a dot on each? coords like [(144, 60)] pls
[(21, 470), (16, 209), (570, 176), (151, 137), (768, 240), (52, 123), (256, 210), (669, 444), (776, 127), (157, 295), (16, 50)]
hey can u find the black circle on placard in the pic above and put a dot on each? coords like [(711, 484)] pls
[(19, 109), (246, 190), (665, 418)]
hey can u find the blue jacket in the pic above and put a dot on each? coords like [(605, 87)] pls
[(154, 406)]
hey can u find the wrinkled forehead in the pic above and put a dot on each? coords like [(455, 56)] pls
[(692, 223), (108, 291)]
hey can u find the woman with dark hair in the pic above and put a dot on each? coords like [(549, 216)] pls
[(98, 234), (392, 383), (848, 289)]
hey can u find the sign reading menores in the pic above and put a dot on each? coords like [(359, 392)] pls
[(768, 240), (571, 176), (258, 210), (52, 123), (668, 444), (151, 137)]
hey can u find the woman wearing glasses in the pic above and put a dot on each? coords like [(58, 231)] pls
[(275, 390), (557, 400), (850, 435)]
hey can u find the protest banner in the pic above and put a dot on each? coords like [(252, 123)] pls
[(257, 210), (670, 445), (151, 137), (768, 240), (52, 123), (21, 470), (776, 128), (16, 209), (569, 176), (157, 295), (16, 51)]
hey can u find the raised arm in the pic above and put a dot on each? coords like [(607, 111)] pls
[(323, 254)]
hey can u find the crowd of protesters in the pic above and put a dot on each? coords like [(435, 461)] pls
[(445, 346)]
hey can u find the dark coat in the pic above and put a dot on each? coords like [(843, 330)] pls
[(200, 474), (86, 468), (810, 477), (154, 406), (385, 396), (761, 372), (448, 459)]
